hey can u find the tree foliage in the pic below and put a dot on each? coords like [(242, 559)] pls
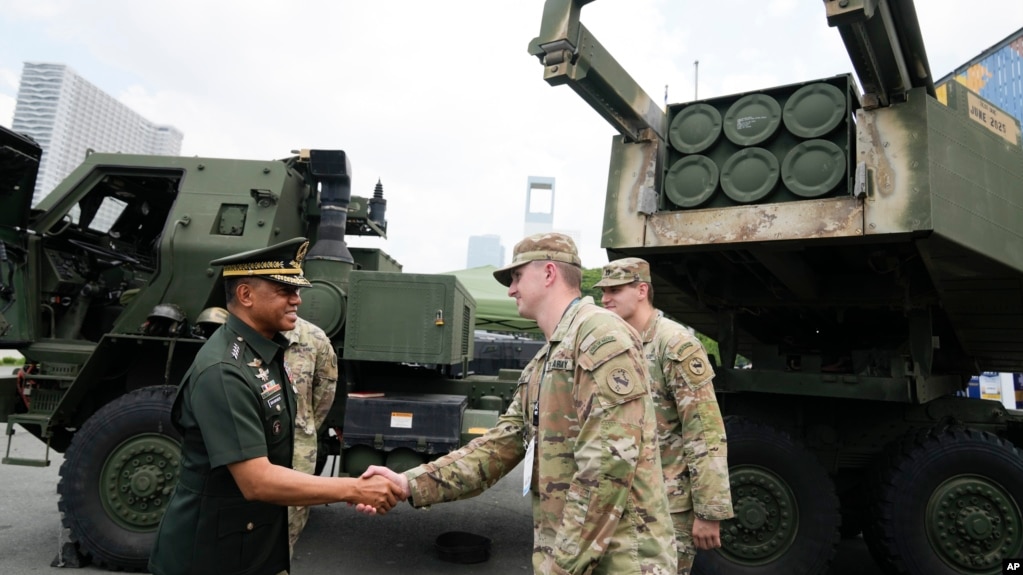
[(593, 275)]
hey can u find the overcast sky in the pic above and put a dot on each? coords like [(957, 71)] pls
[(439, 100)]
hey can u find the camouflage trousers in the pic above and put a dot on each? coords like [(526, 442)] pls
[(297, 518), (683, 522)]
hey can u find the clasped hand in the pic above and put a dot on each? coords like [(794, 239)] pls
[(376, 494), (376, 477)]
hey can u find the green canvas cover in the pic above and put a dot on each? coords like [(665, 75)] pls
[(495, 311)]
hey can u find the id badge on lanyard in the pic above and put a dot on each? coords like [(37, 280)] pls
[(527, 470)]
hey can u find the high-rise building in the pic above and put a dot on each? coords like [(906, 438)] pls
[(996, 74), (539, 205), (68, 116), (485, 250)]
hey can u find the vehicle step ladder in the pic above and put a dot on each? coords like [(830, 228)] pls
[(40, 409)]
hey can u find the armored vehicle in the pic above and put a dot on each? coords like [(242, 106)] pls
[(106, 289), (862, 247)]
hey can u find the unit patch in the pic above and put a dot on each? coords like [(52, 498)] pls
[(620, 381), (275, 427), (696, 366)]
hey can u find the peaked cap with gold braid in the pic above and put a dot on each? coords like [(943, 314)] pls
[(281, 263)]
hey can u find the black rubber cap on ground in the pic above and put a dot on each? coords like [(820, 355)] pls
[(462, 547)]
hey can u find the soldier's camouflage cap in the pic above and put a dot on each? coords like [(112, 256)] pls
[(281, 263), (540, 247), (624, 271)]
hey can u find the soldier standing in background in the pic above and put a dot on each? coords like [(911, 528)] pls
[(582, 421), (312, 361), (690, 430)]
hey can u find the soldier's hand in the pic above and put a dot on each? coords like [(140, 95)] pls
[(706, 534), (376, 495), (397, 478)]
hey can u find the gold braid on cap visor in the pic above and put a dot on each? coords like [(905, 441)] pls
[(260, 269)]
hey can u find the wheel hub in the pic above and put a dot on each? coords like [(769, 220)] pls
[(972, 523), (766, 517), (137, 480)]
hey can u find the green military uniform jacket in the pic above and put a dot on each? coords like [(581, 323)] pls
[(237, 403), (599, 505), (690, 430)]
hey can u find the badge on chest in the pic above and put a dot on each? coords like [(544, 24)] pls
[(271, 393)]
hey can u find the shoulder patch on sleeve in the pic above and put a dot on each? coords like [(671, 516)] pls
[(621, 380), (603, 348), (695, 369), (680, 345)]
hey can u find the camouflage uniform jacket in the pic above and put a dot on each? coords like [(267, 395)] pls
[(599, 503), (690, 431), (312, 364)]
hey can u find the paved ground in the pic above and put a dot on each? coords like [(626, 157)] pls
[(337, 540)]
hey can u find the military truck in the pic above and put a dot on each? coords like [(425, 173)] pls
[(861, 245), (106, 289)]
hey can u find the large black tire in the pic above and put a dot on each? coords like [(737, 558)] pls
[(947, 500), (117, 477), (786, 511)]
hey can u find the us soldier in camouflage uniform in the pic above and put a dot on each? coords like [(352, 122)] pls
[(312, 363), (582, 420), (690, 430)]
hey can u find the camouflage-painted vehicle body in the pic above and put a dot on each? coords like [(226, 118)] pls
[(106, 288), (865, 253)]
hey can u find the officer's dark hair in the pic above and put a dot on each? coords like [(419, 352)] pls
[(231, 285)]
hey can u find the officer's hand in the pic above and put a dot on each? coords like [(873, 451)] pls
[(378, 493), (706, 534), (397, 478)]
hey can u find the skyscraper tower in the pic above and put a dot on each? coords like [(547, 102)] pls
[(539, 205), (485, 250), (68, 116)]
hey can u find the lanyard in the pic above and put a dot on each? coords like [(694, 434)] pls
[(543, 372), (536, 402)]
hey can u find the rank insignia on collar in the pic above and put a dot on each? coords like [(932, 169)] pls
[(255, 363), (263, 374), (235, 350)]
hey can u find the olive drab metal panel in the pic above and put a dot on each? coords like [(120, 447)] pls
[(408, 317)]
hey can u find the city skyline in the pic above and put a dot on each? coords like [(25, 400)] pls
[(451, 142), (69, 117)]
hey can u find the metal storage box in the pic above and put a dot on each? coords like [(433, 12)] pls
[(425, 422), (398, 317)]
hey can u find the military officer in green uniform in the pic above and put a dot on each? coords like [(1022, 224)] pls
[(582, 424), (236, 414), (690, 430)]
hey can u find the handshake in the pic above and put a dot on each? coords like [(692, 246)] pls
[(378, 490)]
